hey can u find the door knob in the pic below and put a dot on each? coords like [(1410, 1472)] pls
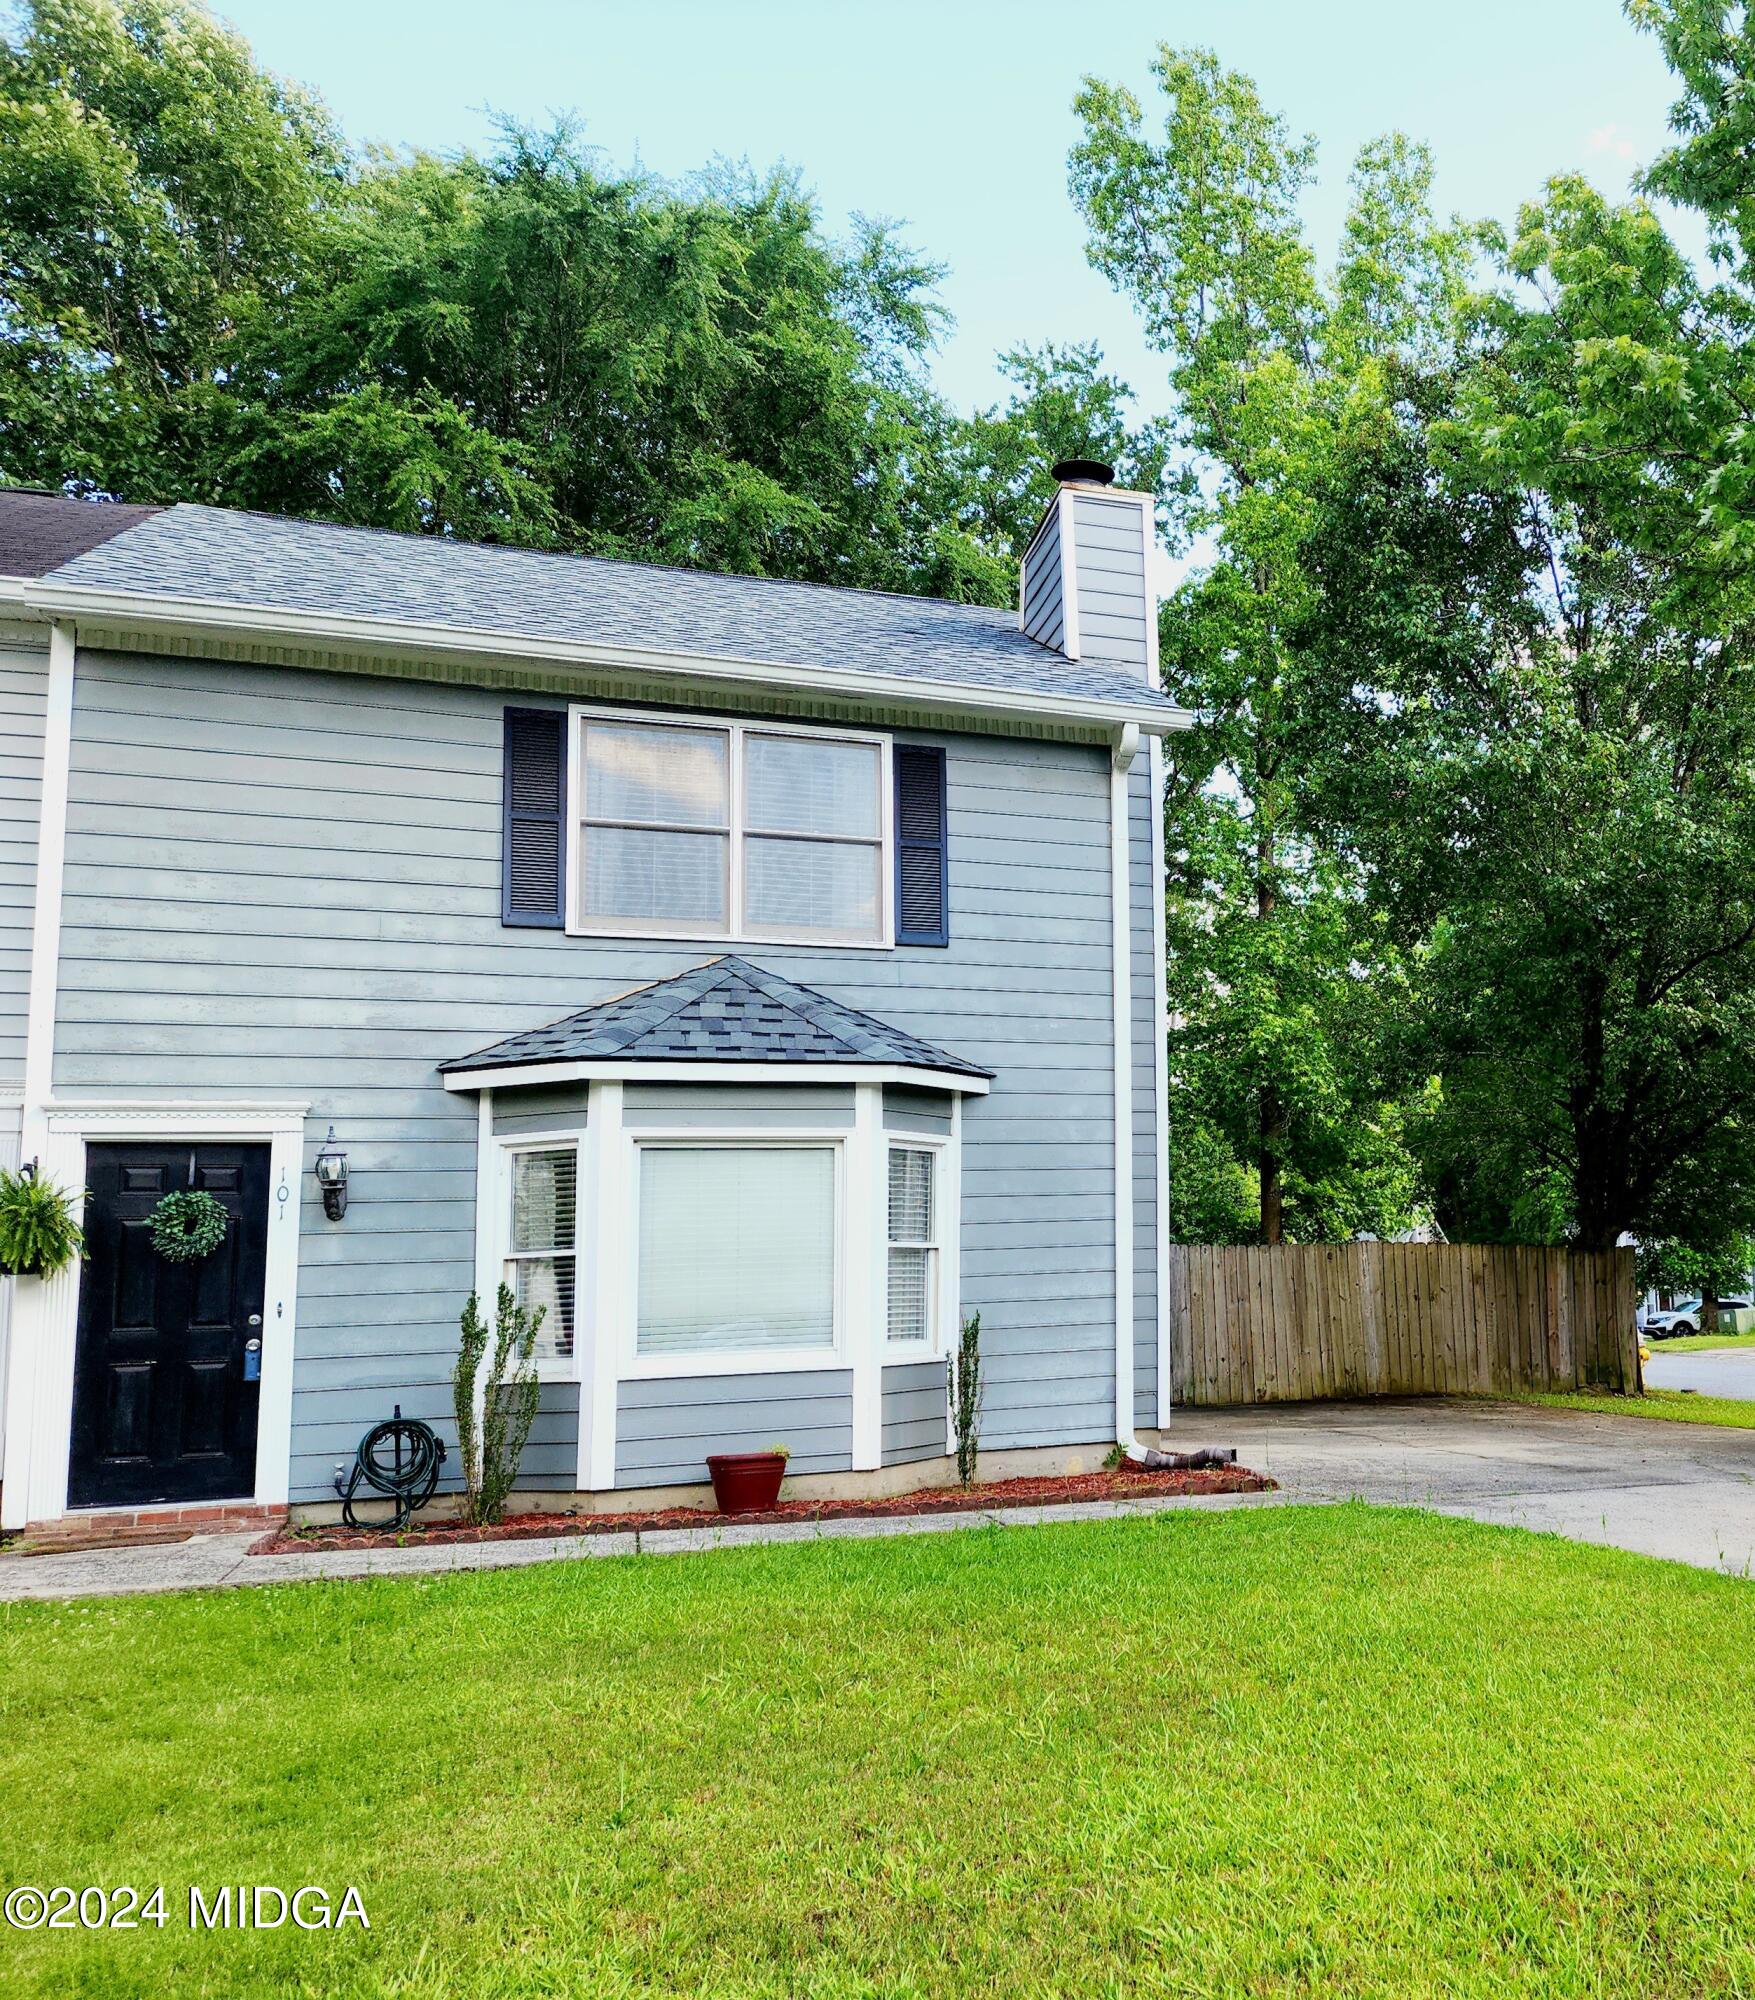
[(255, 1319)]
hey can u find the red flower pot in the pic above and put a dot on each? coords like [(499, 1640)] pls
[(746, 1482)]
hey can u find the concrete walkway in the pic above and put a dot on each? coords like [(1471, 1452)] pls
[(1682, 1491), (213, 1561)]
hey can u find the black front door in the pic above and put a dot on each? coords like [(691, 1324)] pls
[(164, 1389)]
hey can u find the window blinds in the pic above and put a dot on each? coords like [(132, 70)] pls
[(545, 1208), (737, 1249)]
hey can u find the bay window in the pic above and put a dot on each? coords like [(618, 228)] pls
[(730, 830), (541, 1263)]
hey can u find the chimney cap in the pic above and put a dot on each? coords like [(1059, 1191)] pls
[(1085, 471)]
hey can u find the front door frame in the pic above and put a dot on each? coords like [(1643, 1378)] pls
[(45, 1320)]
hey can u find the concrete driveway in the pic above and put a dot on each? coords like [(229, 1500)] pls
[(1720, 1371), (1684, 1491)]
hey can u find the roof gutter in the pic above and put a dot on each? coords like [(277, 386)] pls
[(611, 1069), (250, 624)]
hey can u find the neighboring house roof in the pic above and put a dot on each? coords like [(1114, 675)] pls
[(726, 1011), (41, 531), (263, 563)]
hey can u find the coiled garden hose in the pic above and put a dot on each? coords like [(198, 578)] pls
[(399, 1458)]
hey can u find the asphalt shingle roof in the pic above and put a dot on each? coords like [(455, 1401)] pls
[(220, 556), (41, 531), (724, 1011)]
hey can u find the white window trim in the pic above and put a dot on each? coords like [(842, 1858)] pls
[(549, 1367), (637, 1367), (941, 1267), (737, 728)]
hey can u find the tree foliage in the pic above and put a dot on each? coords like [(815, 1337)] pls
[(157, 192), (1276, 964), (1535, 617), (206, 294)]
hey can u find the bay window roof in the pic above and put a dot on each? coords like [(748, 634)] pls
[(725, 1011)]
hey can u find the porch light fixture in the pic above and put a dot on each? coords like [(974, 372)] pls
[(331, 1171)]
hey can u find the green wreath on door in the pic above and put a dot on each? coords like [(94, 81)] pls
[(187, 1225)]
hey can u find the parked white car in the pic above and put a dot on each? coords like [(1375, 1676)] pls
[(1735, 1315)]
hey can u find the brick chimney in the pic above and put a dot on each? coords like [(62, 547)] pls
[(1086, 587)]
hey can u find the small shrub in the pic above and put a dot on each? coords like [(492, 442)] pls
[(779, 1450), (492, 1447), (965, 1388), (38, 1233)]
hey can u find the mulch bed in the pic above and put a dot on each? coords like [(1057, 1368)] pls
[(1045, 1492)]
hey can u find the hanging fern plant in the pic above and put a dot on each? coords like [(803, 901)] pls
[(187, 1225), (38, 1233)]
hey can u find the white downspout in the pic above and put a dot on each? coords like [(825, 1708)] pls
[(1124, 748), (1161, 1074)]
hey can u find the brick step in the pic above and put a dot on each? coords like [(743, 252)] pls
[(134, 1527)]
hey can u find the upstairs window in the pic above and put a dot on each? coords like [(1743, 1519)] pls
[(656, 842), (541, 1264), (731, 830)]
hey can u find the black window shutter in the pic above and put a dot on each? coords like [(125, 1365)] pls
[(923, 895), (533, 854)]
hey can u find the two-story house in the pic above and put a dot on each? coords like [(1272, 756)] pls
[(755, 974)]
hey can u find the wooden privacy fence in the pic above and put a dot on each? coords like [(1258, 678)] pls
[(1299, 1322)]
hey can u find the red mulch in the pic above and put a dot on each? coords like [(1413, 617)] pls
[(1054, 1491)]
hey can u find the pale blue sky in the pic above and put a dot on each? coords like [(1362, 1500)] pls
[(954, 114)]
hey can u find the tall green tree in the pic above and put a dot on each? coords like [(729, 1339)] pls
[(206, 294), (1275, 958), (157, 191), (1538, 613), (693, 374)]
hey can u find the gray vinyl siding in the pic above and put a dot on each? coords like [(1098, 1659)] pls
[(666, 1427), (553, 1107), (910, 1110), (1111, 572), (914, 1412), (551, 1459), (286, 883), (24, 684), (754, 1107), (340, 1401), (1041, 611)]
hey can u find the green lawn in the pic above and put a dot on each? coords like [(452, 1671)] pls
[(1699, 1343), (1337, 1751), (1680, 1406)]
